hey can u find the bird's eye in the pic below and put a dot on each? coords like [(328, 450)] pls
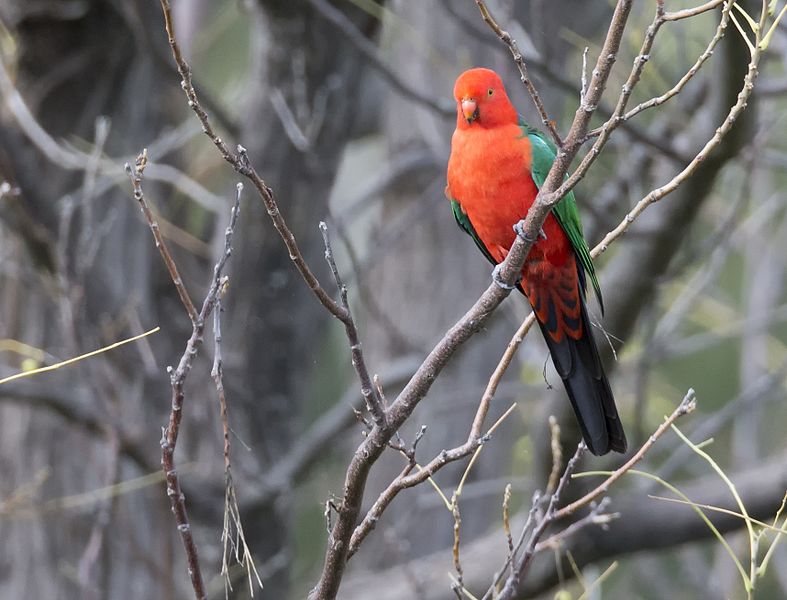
[(490, 91)]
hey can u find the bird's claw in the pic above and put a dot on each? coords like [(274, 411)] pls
[(499, 280), (520, 231)]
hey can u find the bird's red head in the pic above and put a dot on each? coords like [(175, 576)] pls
[(481, 100)]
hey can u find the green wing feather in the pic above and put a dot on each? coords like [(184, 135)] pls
[(543, 154), (464, 222)]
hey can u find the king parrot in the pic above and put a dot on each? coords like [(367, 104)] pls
[(497, 164)]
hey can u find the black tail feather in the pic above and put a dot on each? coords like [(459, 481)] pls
[(579, 365)]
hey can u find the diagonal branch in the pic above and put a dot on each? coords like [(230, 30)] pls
[(240, 162)]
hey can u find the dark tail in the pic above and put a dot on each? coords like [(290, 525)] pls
[(579, 365)]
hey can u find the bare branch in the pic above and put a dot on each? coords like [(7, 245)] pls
[(240, 162), (169, 438), (687, 405), (135, 174), (619, 117), (596, 516), (644, 525), (557, 454), (692, 12), (407, 479), (372, 399), (497, 375), (520, 569), (677, 180)]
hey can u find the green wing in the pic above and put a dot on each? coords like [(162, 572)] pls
[(464, 222), (543, 155)]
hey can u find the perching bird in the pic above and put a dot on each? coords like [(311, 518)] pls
[(497, 164)]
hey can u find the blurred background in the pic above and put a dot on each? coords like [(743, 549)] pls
[(345, 107)]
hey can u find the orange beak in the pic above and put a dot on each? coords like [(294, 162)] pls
[(469, 109)]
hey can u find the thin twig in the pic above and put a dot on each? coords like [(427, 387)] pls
[(457, 540), (557, 453), (169, 438), (535, 506), (523, 563), (407, 479), (506, 523), (552, 514), (619, 117), (135, 174), (232, 535), (687, 405), (693, 12), (596, 516), (497, 375), (372, 399), (659, 193)]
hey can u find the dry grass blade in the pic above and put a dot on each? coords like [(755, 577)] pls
[(76, 359)]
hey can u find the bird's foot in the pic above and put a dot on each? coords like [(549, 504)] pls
[(499, 280), (520, 231)]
